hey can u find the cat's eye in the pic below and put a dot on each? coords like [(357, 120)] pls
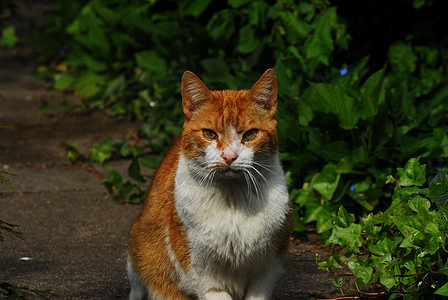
[(250, 135), (210, 134)]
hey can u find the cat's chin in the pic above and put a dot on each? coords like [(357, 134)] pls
[(229, 174)]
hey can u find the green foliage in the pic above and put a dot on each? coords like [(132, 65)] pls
[(45, 108), (103, 151), (360, 129), (342, 126), (126, 190), (8, 37), (403, 249), (73, 153)]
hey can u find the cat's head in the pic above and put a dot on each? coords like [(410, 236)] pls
[(228, 134)]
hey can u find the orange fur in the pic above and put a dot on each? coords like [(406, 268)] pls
[(159, 220)]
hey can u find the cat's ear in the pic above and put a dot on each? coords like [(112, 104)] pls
[(194, 93), (264, 92)]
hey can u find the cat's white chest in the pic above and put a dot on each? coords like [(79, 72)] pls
[(227, 223)]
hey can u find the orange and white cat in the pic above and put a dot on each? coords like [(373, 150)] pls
[(217, 219)]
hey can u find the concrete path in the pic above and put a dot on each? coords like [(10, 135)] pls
[(75, 234)]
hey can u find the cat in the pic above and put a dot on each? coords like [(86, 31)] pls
[(217, 219)]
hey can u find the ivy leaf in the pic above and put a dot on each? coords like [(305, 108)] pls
[(150, 60), (343, 218), (326, 181), (63, 81), (296, 29), (321, 42), (247, 40), (438, 189), (114, 179), (372, 93), (361, 271), (350, 235), (151, 162), (329, 98), (387, 281), (443, 291), (134, 171), (412, 174), (195, 7)]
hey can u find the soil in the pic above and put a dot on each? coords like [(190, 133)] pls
[(74, 232)]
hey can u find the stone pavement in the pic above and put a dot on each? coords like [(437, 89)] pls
[(75, 234)]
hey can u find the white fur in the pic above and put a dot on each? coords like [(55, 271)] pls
[(139, 290), (230, 223)]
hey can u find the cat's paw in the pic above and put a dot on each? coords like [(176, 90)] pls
[(217, 295)]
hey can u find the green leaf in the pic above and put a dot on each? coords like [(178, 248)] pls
[(444, 269), (402, 58), (215, 65), (151, 61), (361, 271), (321, 44), (101, 152), (238, 3), (372, 93), (438, 189), (114, 179), (194, 7), (151, 162), (333, 99), (387, 281), (134, 171), (343, 218), (63, 81), (337, 282), (419, 204), (412, 174), (247, 40), (296, 29), (222, 24), (72, 153), (305, 113), (350, 235), (443, 291), (8, 38), (326, 181), (45, 108), (89, 84)]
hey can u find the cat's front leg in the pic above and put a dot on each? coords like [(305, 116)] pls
[(262, 286)]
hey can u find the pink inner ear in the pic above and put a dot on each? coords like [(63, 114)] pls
[(194, 93), (265, 91)]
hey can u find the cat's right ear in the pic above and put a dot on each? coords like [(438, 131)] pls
[(194, 93)]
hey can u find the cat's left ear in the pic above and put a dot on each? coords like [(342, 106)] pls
[(264, 92), (194, 93)]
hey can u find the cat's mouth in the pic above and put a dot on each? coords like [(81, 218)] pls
[(226, 170)]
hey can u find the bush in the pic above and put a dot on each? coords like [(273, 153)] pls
[(401, 251), (344, 123)]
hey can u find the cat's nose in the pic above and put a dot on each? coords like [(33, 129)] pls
[(229, 155)]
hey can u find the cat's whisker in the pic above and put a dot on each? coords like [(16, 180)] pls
[(266, 167), (251, 167), (256, 185)]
